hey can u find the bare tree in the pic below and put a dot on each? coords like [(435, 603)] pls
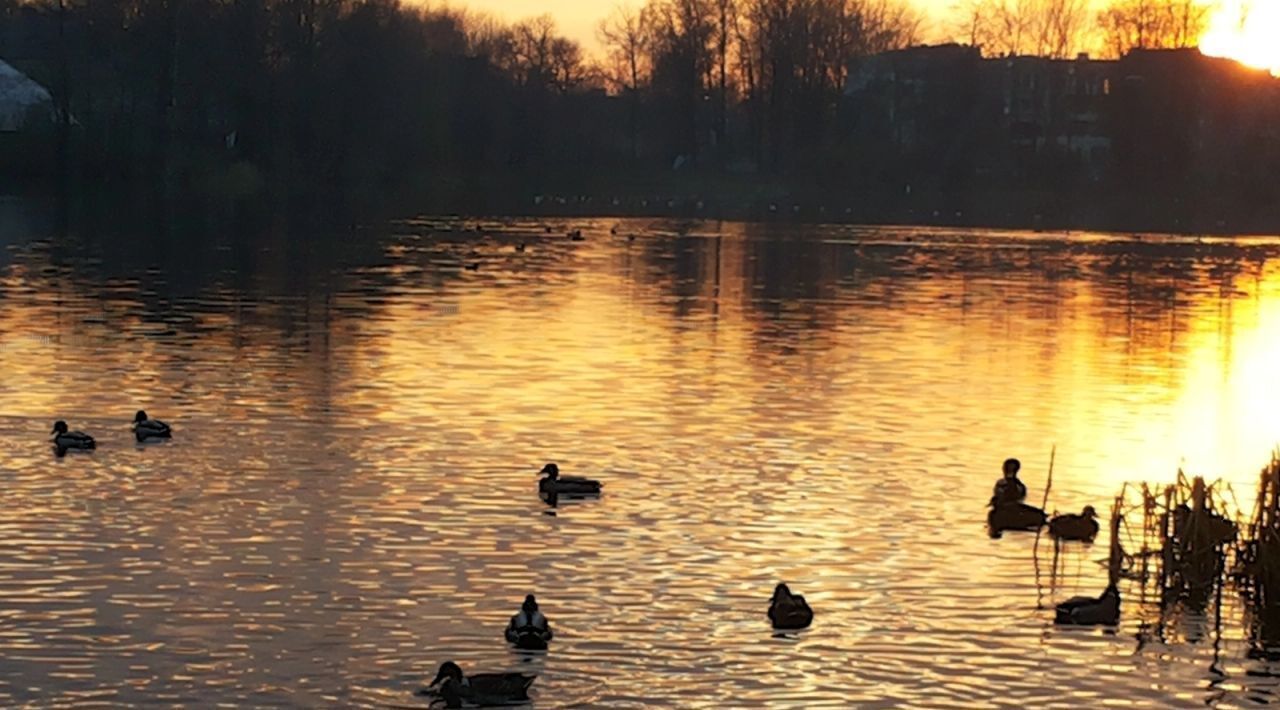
[(683, 56), (1049, 28), (1127, 25), (887, 25), (797, 54), (626, 41), (544, 59), (725, 30)]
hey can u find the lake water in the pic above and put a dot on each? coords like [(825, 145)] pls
[(350, 497)]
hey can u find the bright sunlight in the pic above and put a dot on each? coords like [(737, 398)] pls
[(1247, 31)]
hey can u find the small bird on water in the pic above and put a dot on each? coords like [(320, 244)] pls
[(144, 428), (1088, 611), (1083, 527), (455, 689), (1009, 489), (553, 483), (529, 629), (65, 440), (789, 611), (1013, 516)]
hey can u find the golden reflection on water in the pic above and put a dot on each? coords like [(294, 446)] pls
[(351, 495)]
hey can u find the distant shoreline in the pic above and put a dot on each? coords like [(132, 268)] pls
[(1096, 209), (979, 209)]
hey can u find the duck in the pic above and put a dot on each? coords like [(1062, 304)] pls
[(553, 483), (576, 236), (1088, 611), (1009, 489), (529, 629), (1014, 516), (144, 428), (480, 689), (66, 440), (1070, 526), (789, 611)]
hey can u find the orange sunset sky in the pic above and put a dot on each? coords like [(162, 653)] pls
[(579, 18), (1249, 36)]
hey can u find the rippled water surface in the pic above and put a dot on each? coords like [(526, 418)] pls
[(360, 418)]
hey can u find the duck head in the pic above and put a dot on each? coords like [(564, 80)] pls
[(782, 591), (448, 671), (1089, 512), (141, 416), (551, 471), (1011, 468), (59, 427), (530, 604)]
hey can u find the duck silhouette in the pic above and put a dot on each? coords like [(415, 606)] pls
[(1014, 516), (789, 611), (1069, 526), (553, 483), (1090, 611), (455, 689), (529, 629), (65, 440), (144, 428)]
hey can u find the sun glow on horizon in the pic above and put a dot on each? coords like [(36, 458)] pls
[(1246, 31)]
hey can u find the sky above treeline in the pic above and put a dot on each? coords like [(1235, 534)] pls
[(579, 18), (1246, 30)]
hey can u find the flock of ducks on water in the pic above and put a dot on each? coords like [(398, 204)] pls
[(573, 235), (788, 611), (529, 629), (1009, 512), (144, 429)]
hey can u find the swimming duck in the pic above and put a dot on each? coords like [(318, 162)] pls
[(66, 440), (554, 483), (576, 236), (1009, 489), (144, 428), (1075, 527), (480, 689), (529, 630), (1013, 516), (1087, 611), (789, 611)]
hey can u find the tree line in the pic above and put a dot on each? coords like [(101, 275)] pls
[(1062, 28), (377, 95)]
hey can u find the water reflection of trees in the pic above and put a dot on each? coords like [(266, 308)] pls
[(1143, 293)]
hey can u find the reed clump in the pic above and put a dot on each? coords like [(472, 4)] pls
[(1178, 535), (1258, 563)]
